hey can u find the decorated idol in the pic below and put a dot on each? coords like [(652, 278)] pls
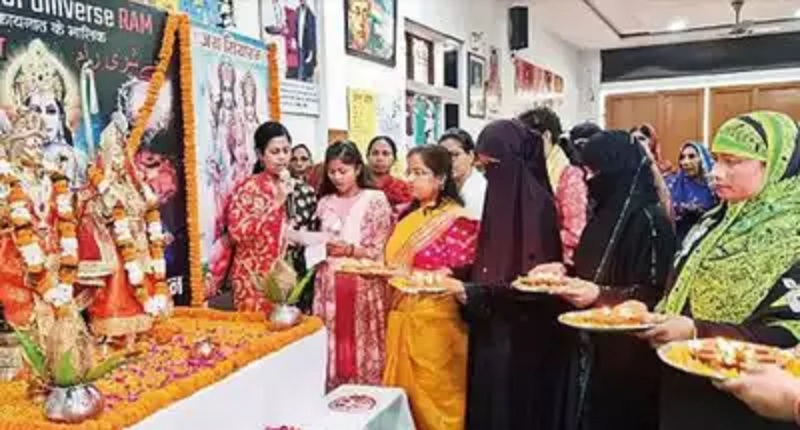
[(121, 243)]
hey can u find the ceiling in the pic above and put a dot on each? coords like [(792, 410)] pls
[(602, 24)]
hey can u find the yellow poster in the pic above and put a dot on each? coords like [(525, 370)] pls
[(362, 118)]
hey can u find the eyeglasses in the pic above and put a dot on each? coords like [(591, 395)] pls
[(299, 159)]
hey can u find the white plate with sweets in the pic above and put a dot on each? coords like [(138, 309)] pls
[(629, 316), (365, 267), (720, 358), (419, 282), (542, 283)]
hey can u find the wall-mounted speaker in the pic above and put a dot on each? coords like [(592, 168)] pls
[(518, 27)]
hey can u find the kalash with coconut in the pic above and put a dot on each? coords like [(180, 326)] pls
[(114, 225)]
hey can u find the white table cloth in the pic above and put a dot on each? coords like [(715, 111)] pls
[(391, 411), (277, 388)]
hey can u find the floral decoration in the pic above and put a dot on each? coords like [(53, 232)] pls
[(170, 372)]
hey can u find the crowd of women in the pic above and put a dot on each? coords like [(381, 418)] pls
[(715, 247)]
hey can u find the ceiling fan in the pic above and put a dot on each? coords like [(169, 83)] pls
[(740, 28)]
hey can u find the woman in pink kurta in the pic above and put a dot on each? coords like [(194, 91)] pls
[(252, 223), (358, 222)]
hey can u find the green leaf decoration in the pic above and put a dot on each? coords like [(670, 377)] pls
[(109, 365), (297, 291), (65, 374), (275, 293), (33, 354)]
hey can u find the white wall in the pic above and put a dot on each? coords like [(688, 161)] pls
[(454, 18), (457, 19)]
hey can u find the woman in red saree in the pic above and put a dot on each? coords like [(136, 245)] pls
[(253, 223), (382, 154), (426, 340), (357, 222)]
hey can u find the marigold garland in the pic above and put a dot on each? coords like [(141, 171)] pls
[(274, 83), (247, 334), (198, 294)]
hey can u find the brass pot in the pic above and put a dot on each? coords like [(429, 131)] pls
[(285, 316), (74, 404)]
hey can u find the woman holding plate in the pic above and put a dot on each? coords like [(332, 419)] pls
[(426, 347), (626, 247), (737, 273), (516, 363), (357, 221)]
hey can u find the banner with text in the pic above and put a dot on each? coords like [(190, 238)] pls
[(75, 63)]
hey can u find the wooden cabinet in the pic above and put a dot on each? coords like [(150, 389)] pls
[(676, 115), (728, 102)]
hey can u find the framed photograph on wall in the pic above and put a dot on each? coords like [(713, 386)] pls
[(371, 30), (419, 59), (476, 90)]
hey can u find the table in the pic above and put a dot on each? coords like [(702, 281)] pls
[(276, 388), (391, 412), (252, 371)]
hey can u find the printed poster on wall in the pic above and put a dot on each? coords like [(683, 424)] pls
[(423, 119), (230, 101), (362, 121), (373, 114), (494, 90), (76, 67), (294, 26), (543, 87), (205, 12)]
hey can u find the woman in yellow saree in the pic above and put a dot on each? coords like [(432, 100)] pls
[(426, 351)]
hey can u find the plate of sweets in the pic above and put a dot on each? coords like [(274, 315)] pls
[(419, 281), (720, 358), (366, 267), (542, 283), (628, 316)]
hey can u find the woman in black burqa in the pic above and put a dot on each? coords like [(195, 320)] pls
[(625, 253), (517, 349)]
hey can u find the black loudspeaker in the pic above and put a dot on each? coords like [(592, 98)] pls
[(518, 27)]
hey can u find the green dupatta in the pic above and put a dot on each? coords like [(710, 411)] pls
[(737, 263)]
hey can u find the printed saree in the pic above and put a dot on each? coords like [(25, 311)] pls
[(426, 347)]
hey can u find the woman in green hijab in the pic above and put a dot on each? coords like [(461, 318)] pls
[(738, 271)]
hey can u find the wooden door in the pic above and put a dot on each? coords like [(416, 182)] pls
[(680, 121), (780, 98), (726, 103), (729, 102), (626, 111), (676, 115)]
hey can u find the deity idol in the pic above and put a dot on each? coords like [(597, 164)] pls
[(38, 244), (41, 84), (121, 243)]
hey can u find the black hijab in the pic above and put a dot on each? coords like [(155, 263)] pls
[(519, 228), (622, 184)]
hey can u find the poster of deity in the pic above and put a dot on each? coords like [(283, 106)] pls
[(75, 71), (371, 30), (230, 92), (293, 25)]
